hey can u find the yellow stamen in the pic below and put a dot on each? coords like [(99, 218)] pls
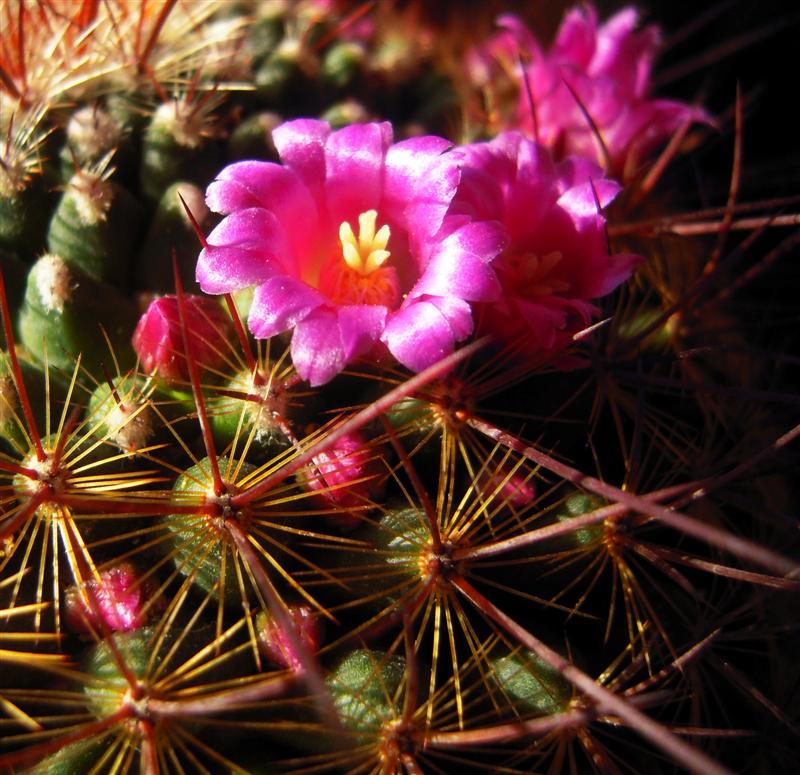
[(365, 254)]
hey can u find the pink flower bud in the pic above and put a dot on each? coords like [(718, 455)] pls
[(515, 490), (116, 601), (348, 474), (277, 647), (158, 339)]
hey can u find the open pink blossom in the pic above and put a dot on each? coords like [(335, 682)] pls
[(592, 74), (557, 258), (348, 245)]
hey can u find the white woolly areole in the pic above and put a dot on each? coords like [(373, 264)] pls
[(188, 126), (53, 281), (92, 197), (92, 131)]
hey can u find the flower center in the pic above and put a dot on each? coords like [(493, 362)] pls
[(530, 275), (359, 275)]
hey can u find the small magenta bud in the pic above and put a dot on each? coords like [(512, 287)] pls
[(513, 489), (117, 601), (158, 339), (348, 474), (277, 647)]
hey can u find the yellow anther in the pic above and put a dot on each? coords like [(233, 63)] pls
[(365, 254)]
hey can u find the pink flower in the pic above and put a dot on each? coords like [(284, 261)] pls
[(599, 70), (158, 339), (557, 257), (347, 244)]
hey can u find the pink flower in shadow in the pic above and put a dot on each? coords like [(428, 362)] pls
[(593, 74), (557, 257), (349, 245)]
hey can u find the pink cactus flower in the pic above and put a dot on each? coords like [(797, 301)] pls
[(116, 602), (348, 245), (274, 644), (557, 258), (158, 339), (592, 74)]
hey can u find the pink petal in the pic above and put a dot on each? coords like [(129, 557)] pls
[(242, 250), (354, 159), (460, 266), (281, 303), (580, 200), (317, 351), (419, 335), (360, 327), (301, 145)]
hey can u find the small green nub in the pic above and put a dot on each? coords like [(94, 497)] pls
[(341, 62), (92, 132), (108, 686), (364, 688), (345, 113), (530, 681), (252, 139), (123, 417), (577, 505)]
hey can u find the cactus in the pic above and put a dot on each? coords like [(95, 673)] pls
[(375, 396)]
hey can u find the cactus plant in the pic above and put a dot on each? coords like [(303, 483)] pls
[(377, 396)]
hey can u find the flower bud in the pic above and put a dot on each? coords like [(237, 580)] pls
[(158, 339)]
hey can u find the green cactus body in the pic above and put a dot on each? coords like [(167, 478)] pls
[(24, 214), (106, 690), (260, 415), (83, 756), (532, 684), (252, 139), (123, 417), (63, 310), (171, 232), (342, 62), (201, 545), (96, 227), (176, 146)]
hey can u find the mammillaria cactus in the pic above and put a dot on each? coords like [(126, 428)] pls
[(377, 395)]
